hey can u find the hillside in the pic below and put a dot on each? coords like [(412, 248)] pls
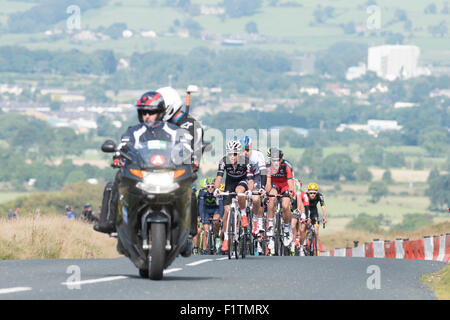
[(281, 25)]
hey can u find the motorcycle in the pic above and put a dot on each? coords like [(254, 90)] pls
[(154, 203)]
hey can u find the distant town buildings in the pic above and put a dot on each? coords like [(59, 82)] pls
[(395, 61), (390, 62), (373, 127)]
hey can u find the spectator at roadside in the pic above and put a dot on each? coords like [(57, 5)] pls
[(11, 214), (17, 212), (38, 213), (70, 214), (87, 213)]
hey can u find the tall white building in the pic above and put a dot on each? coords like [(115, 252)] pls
[(395, 61)]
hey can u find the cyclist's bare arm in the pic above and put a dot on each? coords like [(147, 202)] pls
[(324, 212), (300, 205), (217, 182)]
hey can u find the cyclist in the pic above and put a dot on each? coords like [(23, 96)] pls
[(196, 238), (314, 197), (257, 157), (239, 178), (280, 181), (209, 207), (300, 204)]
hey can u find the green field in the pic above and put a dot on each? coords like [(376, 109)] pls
[(8, 196), (289, 29)]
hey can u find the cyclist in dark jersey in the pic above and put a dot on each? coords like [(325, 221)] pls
[(209, 206), (315, 197), (239, 172)]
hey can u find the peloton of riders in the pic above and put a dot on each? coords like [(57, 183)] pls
[(246, 170)]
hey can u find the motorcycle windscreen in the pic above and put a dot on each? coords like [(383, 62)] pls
[(165, 153)]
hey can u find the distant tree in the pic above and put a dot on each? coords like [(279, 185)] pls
[(435, 140), (433, 175), (438, 192), (251, 27), (364, 222), (430, 9), (339, 57), (193, 27), (440, 29), (241, 8), (335, 166), (377, 190), (115, 30), (349, 28), (400, 15), (311, 159), (363, 174), (387, 177), (445, 9), (412, 221), (394, 38), (95, 94), (394, 160), (373, 156)]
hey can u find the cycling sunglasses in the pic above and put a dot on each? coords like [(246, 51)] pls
[(312, 192), (210, 186), (233, 154)]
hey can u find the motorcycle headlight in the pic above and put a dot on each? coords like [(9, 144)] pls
[(158, 182)]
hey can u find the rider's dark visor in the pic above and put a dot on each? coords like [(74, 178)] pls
[(150, 112)]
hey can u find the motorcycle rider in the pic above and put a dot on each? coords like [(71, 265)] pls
[(161, 105)]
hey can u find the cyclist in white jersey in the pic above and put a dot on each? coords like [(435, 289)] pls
[(257, 157)]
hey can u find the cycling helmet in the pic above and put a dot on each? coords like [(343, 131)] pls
[(246, 142), (210, 181), (274, 152), (233, 146), (313, 186), (172, 100), (151, 101)]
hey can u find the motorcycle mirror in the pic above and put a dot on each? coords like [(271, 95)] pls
[(207, 147), (109, 146), (192, 88)]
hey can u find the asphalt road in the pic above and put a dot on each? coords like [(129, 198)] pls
[(216, 277)]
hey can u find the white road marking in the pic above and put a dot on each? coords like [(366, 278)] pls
[(74, 283), (199, 262), (172, 270), (16, 289), (225, 258)]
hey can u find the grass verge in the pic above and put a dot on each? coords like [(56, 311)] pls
[(53, 237), (439, 282)]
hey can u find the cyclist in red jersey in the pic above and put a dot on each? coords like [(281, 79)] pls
[(301, 203), (280, 181)]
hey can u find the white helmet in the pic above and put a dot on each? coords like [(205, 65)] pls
[(233, 145), (172, 101)]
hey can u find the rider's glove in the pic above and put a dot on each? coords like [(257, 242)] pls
[(249, 193), (303, 217), (262, 191), (216, 192), (117, 162)]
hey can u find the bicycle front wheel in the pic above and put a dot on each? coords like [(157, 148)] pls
[(230, 230)]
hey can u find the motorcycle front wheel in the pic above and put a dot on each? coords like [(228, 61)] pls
[(157, 253)]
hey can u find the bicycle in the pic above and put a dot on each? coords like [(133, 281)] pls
[(237, 235), (260, 244), (312, 247), (211, 245), (280, 248)]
